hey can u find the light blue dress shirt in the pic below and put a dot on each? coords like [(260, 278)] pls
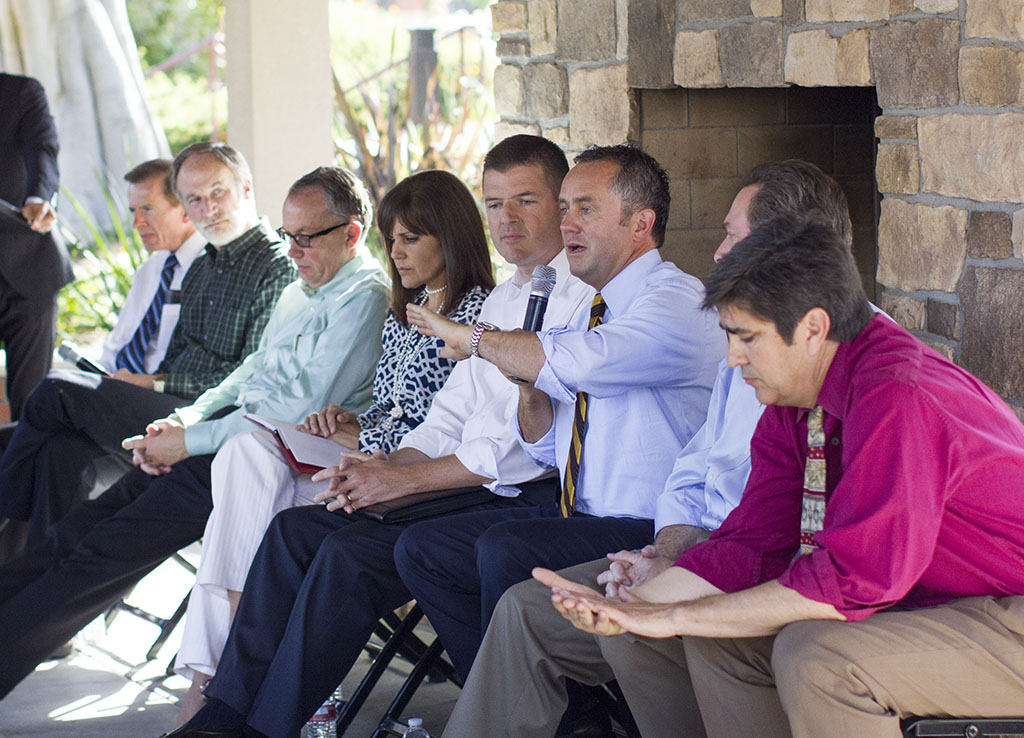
[(711, 471), (648, 370), (319, 346)]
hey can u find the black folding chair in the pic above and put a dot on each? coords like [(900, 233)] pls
[(962, 728), (166, 625), (399, 639)]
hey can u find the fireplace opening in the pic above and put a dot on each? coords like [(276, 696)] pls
[(708, 139)]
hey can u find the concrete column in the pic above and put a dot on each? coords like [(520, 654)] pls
[(280, 95)]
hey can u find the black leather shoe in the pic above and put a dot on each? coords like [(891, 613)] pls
[(186, 732)]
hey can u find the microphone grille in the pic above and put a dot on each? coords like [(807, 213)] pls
[(542, 281)]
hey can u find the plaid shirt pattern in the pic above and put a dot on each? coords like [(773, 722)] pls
[(226, 300)]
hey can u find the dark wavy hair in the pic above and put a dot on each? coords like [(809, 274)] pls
[(436, 203)]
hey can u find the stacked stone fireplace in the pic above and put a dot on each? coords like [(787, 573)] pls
[(916, 106)]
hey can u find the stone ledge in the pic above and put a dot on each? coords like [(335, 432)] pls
[(599, 106), (896, 126), (921, 247), (897, 170), (508, 16), (751, 54), (1002, 19), (915, 63), (989, 235), (542, 26), (695, 59), (833, 11), (979, 157), (991, 75)]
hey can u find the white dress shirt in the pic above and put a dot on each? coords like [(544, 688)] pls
[(136, 303), (648, 369), (469, 416)]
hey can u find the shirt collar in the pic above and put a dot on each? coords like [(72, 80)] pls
[(623, 288), (339, 282), (834, 393)]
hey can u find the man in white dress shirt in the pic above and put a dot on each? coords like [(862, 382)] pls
[(164, 228), (609, 406)]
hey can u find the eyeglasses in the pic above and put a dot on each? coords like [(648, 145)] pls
[(302, 240)]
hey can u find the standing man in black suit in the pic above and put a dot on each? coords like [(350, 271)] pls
[(33, 265)]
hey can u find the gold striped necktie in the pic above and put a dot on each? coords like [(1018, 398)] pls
[(567, 503)]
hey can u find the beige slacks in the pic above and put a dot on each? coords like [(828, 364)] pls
[(827, 679), (517, 685)]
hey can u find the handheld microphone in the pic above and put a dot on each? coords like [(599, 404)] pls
[(70, 353), (542, 282)]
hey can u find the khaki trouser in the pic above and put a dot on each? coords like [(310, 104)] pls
[(826, 679), (517, 684)]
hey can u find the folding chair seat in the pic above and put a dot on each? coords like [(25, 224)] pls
[(962, 728)]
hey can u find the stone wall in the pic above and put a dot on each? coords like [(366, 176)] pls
[(949, 78)]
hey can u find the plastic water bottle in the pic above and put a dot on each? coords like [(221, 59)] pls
[(416, 729), (321, 725)]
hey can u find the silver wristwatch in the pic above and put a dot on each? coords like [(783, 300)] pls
[(478, 331)]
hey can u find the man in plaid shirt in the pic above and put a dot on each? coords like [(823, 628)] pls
[(72, 418)]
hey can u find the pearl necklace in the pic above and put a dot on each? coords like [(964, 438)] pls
[(438, 291)]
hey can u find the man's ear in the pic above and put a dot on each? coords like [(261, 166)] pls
[(353, 231), (641, 223), (815, 325)]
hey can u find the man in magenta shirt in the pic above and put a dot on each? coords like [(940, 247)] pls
[(835, 606)]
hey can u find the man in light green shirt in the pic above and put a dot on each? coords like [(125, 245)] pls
[(322, 343)]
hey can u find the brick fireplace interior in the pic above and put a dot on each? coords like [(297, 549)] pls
[(707, 139)]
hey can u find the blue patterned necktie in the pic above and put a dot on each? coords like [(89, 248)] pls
[(133, 354)]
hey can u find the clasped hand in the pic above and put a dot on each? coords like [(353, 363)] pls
[(359, 480), (162, 446)]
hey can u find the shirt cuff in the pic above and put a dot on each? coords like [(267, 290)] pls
[(199, 438), (671, 509)]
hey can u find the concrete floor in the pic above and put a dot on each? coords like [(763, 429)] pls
[(107, 688)]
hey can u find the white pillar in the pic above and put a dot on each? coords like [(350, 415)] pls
[(280, 94)]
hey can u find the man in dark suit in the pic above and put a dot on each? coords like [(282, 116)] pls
[(33, 265)]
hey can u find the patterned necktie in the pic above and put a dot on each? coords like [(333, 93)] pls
[(567, 503), (132, 355), (813, 516)]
